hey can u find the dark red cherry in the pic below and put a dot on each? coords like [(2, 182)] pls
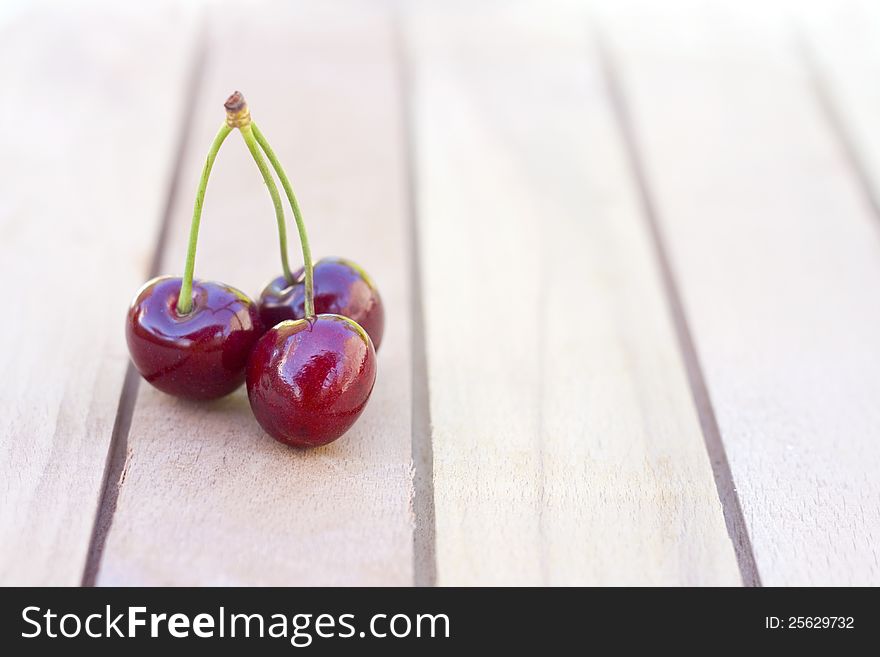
[(308, 381), (200, 355), (341, 288)]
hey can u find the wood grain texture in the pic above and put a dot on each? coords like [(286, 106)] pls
[(778, 261), (205, 496), (84, 175), (567, 449)]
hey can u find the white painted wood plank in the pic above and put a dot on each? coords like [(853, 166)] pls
[(567, 449), (778, 262), (88, 142), (207, 497)]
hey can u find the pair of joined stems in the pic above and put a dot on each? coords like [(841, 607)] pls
[(257, 145)]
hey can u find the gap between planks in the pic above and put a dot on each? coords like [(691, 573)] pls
[(830, 111), (424, 532), (117, 455), (730, 503)]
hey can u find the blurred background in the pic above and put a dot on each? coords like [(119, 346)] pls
[(629, 252)]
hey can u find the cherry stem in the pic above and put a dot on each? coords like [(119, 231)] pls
[(297, 215), (248, 135), (184, 299)]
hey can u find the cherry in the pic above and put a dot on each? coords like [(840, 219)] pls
[(341, 288), (201, 354), (309, 380)]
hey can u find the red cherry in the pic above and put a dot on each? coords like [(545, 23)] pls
[(200, 355), (341, 288), (308, 381)]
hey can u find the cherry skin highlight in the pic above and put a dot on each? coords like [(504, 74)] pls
[(341, 288), (200, 355), (308, 381)]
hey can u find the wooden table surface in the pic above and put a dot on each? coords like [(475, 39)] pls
[(629, 251)]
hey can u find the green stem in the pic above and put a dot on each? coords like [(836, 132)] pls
[(248, 136), (184, 299), (297, 215)]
